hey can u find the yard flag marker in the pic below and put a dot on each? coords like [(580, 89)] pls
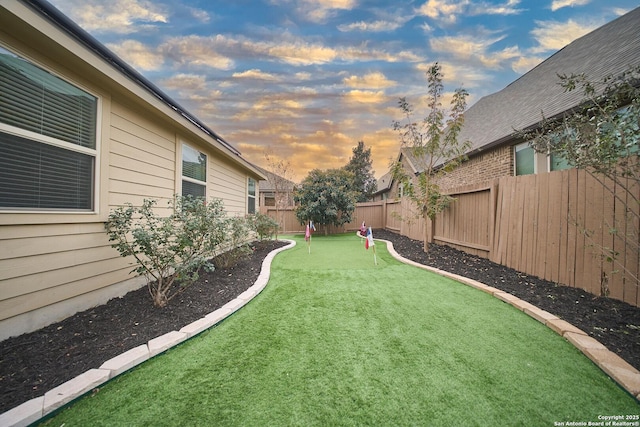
[(307, 234), (370, 242), (363, 232)]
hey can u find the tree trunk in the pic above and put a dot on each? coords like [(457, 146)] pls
[(425, 246), (429, 231)]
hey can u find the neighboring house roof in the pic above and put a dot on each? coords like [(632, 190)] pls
[(608, 50), (384, 183), (414, 163), (56, 17), (267, 185)]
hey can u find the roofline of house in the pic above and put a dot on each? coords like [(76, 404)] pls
[(47, 9)]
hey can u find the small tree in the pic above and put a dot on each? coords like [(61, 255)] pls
[(602, 136), (364, 183), (168, 250), (280, 178), (326, 197), (433, 144)]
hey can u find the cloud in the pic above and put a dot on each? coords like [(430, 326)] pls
[(524, 64), (271, 107), (475, 47), (190, 82), (200, 15), (137, 55), (385, 22), (447, 11), (371, 80), (318, 11), (116, 16), (255, 74), (459, 74), (372, 27), (485, 8), (197, 50), (221, 51), (553, 35), (559, 4), (365, 96)]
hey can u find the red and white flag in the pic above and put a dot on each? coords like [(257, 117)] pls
[(369, 241)]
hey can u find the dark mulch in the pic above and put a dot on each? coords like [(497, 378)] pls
[(34, 363)]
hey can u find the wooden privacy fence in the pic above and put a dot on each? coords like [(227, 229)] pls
[(394, 215), (556, 226), (559, 226)]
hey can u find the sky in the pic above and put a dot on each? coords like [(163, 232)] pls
[(305, 80)]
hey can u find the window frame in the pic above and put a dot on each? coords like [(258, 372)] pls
[(253, 196), (525, 146), (46, 215), (196, 181)]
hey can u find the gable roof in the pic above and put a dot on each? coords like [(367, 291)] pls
[(268, 184), (384, 183), (608, 50)]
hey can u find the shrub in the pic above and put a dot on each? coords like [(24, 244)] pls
[(263, 225), (168, 250), (236, 246)]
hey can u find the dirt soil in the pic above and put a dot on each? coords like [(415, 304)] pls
[(31, 364)]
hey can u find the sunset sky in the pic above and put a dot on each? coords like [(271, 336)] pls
[(306, 80)]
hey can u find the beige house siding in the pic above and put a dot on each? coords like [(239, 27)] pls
[(229, 185), (55, 264), (142, 159)]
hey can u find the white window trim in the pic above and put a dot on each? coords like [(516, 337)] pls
[(189, 179), (254, 197), (43, 139)]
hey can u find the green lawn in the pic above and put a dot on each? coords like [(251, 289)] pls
[(335, 340)]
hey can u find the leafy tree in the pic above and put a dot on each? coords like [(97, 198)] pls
[(433, 145), (169, 250), (326, 198), (359, 165), (602, 136)]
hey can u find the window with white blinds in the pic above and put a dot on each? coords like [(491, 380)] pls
[(47, 139), (194, 172)]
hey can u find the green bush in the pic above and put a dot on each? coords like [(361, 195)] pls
[(263, 225), (237, 232), (169, 250)]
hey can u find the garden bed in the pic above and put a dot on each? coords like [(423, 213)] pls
[(34, 363)]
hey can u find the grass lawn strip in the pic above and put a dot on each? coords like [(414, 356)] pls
[(336, 340)]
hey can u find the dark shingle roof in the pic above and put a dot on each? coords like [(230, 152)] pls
[(268, 185), (608, 50)]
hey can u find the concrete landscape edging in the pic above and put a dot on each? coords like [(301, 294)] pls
[(32, 410), (610, 363)]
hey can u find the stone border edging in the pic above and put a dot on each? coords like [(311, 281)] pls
[(613, 365), (33, 410)]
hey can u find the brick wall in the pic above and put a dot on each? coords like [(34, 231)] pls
[(479, 168), (482, 167)]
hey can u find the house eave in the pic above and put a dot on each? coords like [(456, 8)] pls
[(139, 86)]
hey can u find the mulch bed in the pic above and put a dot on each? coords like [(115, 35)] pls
[(32, 364)]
